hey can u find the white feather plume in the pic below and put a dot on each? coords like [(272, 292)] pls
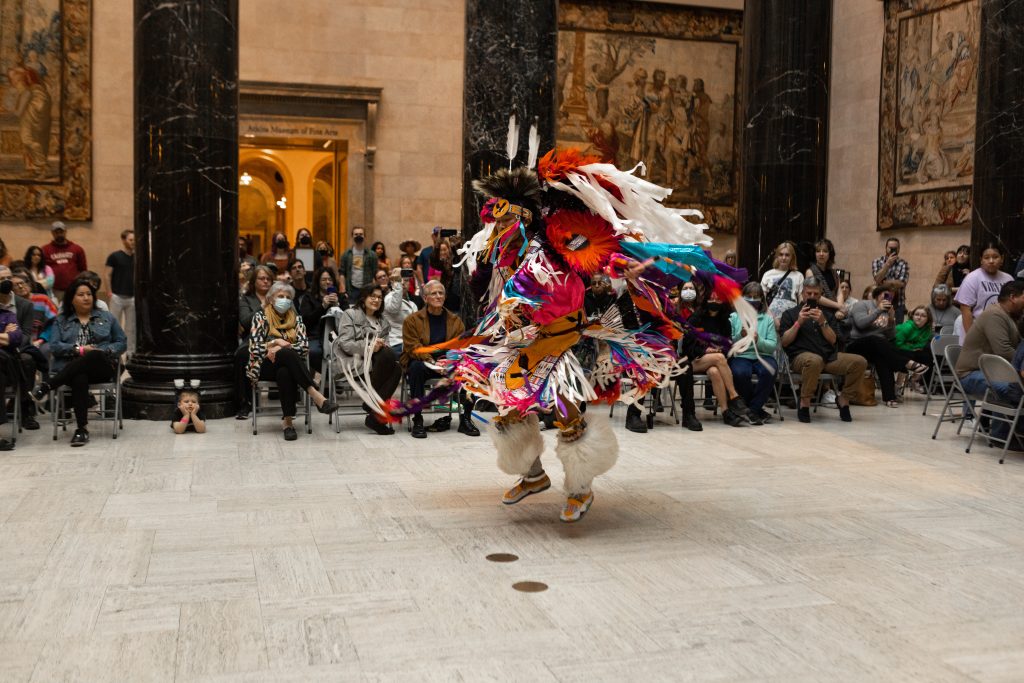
[(512, 142), (534, 144)]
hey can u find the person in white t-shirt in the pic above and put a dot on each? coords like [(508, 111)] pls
[(981, 287), (783, 282)]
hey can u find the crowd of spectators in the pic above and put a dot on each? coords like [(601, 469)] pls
[(383, 309)]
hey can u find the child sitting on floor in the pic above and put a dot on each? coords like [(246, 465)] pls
[(189, 416)]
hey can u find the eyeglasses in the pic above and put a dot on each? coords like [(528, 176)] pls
[(374, 296)]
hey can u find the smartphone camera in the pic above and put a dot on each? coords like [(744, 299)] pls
[(811, 303), (332, 290), (406, 272), (449, 232)]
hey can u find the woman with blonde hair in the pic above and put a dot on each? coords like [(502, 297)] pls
[(782, 283)]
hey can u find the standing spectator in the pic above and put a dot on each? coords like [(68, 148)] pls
[(730, 258), (66, 258), (325, 256), (243, 252), (810, 342), (824, 270), (413, 284), (423, 260), (945, 274), (981, 287), (432, 325), (358, 266), (383, 262), (443, 270), (894, 272), (280, 253), (121, 276), (963, 266), (5, 256), (943, 313), (303, 239), (42, 274), (782, 283), (409, 248)]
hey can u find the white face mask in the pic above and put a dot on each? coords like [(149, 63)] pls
[(688, 295), (282, 305)]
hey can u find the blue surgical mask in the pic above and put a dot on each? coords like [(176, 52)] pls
[(282, 305)]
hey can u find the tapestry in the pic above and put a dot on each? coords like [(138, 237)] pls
[(656, 84), (928, 103), (45, 109)]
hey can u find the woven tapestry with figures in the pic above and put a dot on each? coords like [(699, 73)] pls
[(928, 104), (45, 109), (658, 84)]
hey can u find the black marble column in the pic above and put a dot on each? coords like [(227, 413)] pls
[(186, 203), (999, 146), (511, 49), (787, 47)]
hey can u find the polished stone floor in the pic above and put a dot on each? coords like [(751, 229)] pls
[(788, 552)]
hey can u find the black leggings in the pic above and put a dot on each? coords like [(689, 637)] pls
[(385, 372), (92, 368), (290, 372), (886, 358)]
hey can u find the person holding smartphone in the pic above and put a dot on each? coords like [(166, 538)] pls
[(873, 336), (892, 271)]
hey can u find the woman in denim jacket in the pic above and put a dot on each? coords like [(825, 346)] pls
[(86, 344)]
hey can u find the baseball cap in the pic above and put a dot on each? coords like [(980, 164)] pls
[(58, 225)]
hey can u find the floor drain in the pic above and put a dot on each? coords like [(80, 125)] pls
[(502, 557), (530, 586)]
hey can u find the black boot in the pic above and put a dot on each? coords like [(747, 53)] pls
[(466, 425), (441, 424), (418, 432), (635, 421), (692, 423)]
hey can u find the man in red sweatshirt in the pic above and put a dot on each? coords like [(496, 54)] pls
[(66, 258)]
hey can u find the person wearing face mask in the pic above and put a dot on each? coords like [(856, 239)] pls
[(748, 364), (278, 346), (358, 265), (325, 256), (280, 254), (64, 257), (304, 239)]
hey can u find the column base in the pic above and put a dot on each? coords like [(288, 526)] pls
[(149, 394)]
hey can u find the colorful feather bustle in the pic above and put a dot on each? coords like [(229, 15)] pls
[(558, 163), (584, 241)]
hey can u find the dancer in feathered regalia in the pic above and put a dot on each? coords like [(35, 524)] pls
[(544, 231)]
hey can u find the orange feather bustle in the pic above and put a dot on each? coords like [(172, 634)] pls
[(557, 163), (565, 225)]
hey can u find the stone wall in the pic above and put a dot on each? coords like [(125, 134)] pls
[(853, 159)]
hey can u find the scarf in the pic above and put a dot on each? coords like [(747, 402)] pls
[(281, 328)]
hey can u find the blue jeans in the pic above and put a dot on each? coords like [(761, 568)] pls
[(974, 384), (743, 372)]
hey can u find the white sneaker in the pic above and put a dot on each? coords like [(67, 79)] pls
[(829, 398)]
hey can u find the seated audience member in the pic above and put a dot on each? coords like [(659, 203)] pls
[(943, 313), (747, 364), (252, 300), (599, 297), (86, 344), (809, 338), (27, 356), (278, 347), (432, 325), (981, 287), (873, 335), (42, 274), (363, 329), (94, 279), (707, 357), (188, 417), (382, 279), (914, 336), (300, 281), (995, 331), (43, 309), (397, 307), (322, 297), (11, 337)]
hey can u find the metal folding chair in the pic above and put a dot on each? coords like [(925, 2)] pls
[(795, 380), (264, 387), (942, 374), (965, 403), (998, 369), (332, 384), (105, 393)]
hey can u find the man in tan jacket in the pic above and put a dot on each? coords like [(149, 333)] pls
[(427, 326)]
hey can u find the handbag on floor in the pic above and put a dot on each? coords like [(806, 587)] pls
[(866, 392)]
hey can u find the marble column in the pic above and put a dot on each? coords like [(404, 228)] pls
[(786, 70), (186, 203), (511, 51), (999, 148)]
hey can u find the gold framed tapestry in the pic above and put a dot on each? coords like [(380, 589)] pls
[(927, 113), (45, 109), (658, 84)]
